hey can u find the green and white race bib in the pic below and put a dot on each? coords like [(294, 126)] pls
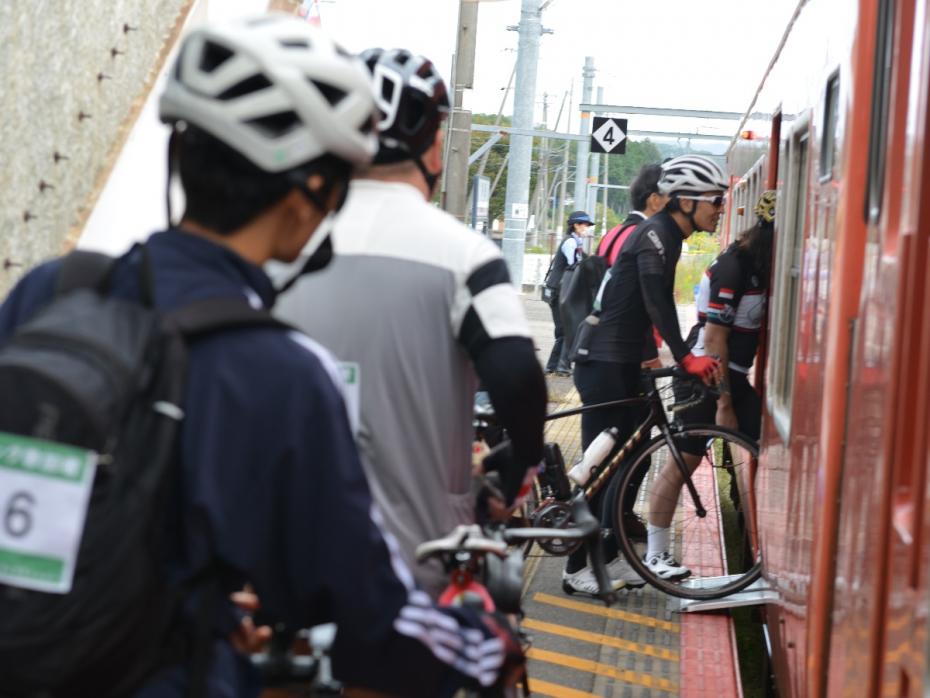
[(44, 492)]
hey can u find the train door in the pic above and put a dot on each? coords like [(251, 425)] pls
[(906, 238), (882, 537)]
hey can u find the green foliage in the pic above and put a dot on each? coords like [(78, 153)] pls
[(703, 243), (622, 169), (688, 275)]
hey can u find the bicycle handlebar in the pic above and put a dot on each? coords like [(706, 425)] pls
[(464, 537), (473, 539)]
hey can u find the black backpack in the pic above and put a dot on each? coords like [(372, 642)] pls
[(104, 375), (579, 289)]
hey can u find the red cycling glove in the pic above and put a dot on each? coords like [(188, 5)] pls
[(703, 367)]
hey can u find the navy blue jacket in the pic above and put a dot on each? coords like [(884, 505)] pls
[(273, 487)]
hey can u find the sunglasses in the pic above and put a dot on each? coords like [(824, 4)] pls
[(715, 201)]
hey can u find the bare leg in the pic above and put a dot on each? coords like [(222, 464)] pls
[(665, 490)]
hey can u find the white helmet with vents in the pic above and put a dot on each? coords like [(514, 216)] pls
[(275, 89), (692, 174)]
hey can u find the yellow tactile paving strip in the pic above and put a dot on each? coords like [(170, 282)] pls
[(614, 613), (599, 639), (582, 649), (632, 677)]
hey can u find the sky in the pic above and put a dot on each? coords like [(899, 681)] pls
[(657, 53), (653, 53)]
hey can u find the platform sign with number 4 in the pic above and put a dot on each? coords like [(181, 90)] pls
[(608, 135), (44, 491)]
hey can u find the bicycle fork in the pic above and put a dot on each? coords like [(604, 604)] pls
[(683, 469)]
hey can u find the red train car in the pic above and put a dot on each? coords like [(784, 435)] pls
[(840, 128)]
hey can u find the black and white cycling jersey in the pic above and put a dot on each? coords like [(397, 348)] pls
[(420, 304), (731, 294)]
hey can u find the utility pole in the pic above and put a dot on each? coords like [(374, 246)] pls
[(560, 213), (584, 128), (605, 189), (563, 187), (542, 177), (516, 206), (591, 198), (455, 173)]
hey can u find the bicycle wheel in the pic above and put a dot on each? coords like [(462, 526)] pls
[(719, 546)]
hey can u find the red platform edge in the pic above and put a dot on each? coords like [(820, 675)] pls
[(708, 662)]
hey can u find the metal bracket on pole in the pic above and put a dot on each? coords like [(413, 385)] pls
[(558, 135), (488, 144), (661, 111)]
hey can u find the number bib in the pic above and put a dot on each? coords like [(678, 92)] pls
[(44, 491)]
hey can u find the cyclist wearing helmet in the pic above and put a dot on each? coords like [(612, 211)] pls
[(730, 305), (269, 118), (569, 254), (637, 294), (424, 307)]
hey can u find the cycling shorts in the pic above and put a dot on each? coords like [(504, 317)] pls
[(746, 404)]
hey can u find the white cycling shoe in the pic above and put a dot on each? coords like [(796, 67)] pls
[(620, 570), (584, 582), (665, 566)]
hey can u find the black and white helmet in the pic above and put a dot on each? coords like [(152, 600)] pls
[(275, 89), (413, 101), (692, 174)]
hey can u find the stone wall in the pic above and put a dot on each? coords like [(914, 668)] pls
[(75, 73)]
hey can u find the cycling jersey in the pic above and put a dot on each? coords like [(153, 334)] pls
[(639, 293), (420, 302), (731, 294), (271, 488)]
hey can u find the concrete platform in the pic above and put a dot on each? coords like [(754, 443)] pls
[(639, 648)]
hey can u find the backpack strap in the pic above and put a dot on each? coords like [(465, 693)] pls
[(214, 314), (613, 243), (84, 269)]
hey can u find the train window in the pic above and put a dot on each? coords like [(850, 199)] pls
[(790, 224), (881, 92), (828, 134)]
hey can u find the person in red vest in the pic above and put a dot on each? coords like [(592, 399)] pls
[(646, 200)]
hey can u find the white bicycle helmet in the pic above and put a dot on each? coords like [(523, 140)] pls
[(412, 99), (692, 174), (275, 89)]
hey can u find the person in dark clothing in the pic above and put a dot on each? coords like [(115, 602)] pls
[(638, 295), (646, 201), (270, 486), (570, 252), (730, 305)]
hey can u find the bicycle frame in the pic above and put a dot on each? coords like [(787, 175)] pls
[(656, 418)]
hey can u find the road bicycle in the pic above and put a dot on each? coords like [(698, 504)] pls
[(486, 572), (713, 519)]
